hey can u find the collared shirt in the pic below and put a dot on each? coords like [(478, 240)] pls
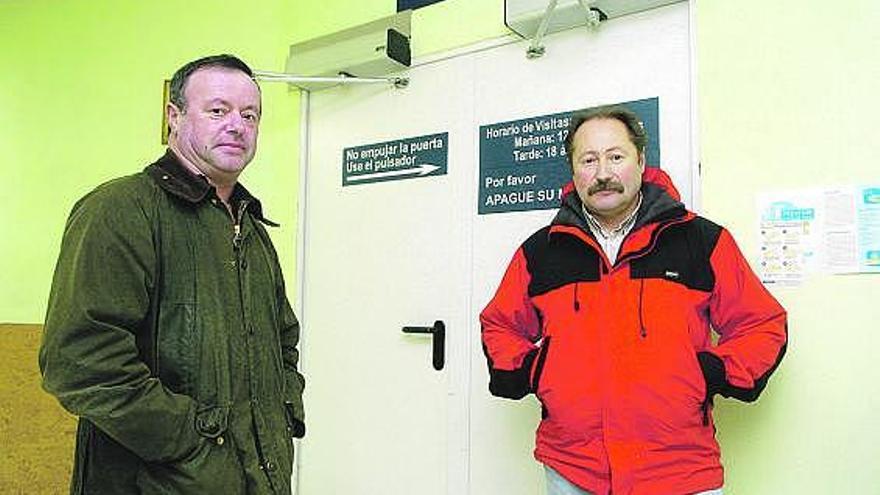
[(610, 240)]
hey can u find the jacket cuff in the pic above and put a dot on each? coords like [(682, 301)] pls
[(297, 429), (295, 425), (513, 384), (713, 372)]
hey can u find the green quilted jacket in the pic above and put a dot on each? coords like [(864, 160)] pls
[(169, 334)]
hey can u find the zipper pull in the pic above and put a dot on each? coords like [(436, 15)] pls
[(642, 330), (236, 239)]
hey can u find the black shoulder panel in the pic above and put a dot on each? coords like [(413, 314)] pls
[(682, 255), (558, 259)]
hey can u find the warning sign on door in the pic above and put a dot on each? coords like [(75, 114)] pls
[(408, 158)]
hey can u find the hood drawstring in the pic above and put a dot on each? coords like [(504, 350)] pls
[(577, 304), (642, 329)]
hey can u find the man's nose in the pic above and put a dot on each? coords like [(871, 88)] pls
[(603, 169), (234, 123)]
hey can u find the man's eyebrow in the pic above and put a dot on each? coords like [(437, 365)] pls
[(599, 152), (214, 102), (221, 101), (585, 152)]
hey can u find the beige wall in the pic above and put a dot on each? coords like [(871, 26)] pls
[(37, 435)]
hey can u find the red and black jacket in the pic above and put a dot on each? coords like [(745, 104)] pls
[(621, 354)]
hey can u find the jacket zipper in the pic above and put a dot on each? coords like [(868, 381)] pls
[(647, 249), (236, 238), (650, 247), (236, 247), (236, 228)]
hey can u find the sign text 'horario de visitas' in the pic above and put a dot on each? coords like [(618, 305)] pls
[(523, 163)]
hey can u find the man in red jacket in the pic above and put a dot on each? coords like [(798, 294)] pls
[(607, 314)]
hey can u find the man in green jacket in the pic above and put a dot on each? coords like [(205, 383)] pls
[(168, 330)]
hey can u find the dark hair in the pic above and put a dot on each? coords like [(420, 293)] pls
[(634, 127), (178, 82)]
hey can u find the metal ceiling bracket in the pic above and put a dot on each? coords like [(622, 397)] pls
[(536, 48), (302, 82)]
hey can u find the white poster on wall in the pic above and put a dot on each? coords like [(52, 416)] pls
[(832, 230)]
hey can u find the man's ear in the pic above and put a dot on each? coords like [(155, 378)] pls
[(172, 114), (641, 161)]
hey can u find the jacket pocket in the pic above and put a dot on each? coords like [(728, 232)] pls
[(712, 369), (213, 467), (212, 421), (539, 365)]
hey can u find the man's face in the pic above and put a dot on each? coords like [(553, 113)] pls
[(217, 131), (607, 169)]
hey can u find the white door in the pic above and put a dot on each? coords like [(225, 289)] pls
[(378, 257), (639, 56), (381, 256)]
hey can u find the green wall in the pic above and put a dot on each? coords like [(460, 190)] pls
[(786, 101), (81, 102)]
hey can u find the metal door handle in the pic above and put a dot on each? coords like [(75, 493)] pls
[(438, 332)]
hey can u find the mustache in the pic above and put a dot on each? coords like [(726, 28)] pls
[(606, 185)]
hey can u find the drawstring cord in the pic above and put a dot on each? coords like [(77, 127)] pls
[(705, 409), (577, 304), (642, 328)]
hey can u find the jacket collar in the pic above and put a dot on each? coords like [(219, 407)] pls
[(175, 179), (657, 206)]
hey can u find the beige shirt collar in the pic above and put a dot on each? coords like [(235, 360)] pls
[(610, 240)]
